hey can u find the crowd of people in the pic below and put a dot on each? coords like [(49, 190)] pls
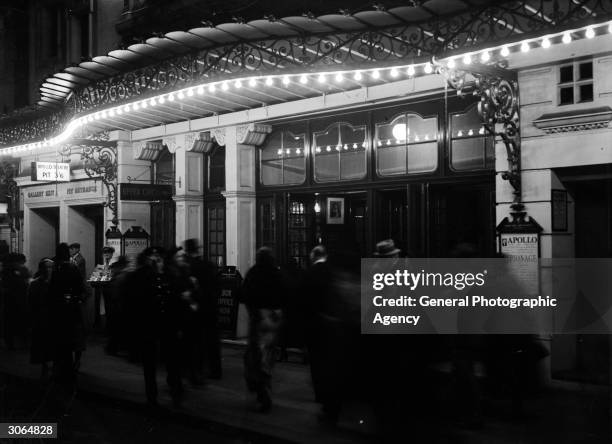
[(163, 308)]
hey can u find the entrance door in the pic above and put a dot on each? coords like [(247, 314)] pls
[(43, 234), (163, 224), (461, 214)]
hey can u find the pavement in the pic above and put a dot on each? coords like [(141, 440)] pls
[(560, 416)]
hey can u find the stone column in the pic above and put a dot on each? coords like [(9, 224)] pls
[(189, 194)]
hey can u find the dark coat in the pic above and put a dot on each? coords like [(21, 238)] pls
[(263, 288), (66, 291), (80, 263), (41, 307)]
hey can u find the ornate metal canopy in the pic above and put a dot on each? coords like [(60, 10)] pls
[(379, 37)]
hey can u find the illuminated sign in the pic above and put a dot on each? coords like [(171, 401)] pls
[(51, 171)]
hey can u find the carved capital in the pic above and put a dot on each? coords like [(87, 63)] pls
[(219, 135), (252, 133), (201, 144), (147, 150), (171, 143)]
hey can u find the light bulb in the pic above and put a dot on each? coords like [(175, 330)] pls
[(339, 77), (104, 114), (451, 63), (162, 99), (410, 70), (485, 57), (467, 59), (111, 113), (153, 102), (181, 95), (428, 68), (318, 149), (481, 130), (545, 43), (224, 86), (525, 47), (280, 152), (298, 151), (252, 82), (286, 80), (567, 38), (375, 74), (470, 133), (120, 111), (303, 79), (136, 106), (590, 32), (237, 84), (269, 81), (143, 104), (328, 149), (200, 90), (460, 133), (212, 88), (358, 76), (321, 78), (394, 72), (505, 51), (170, 97)]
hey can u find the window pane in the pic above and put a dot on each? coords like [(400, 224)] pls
[(391, 160), (586, 93), (468, 153), (272, 172), (566, 74), (586, 70), (216, 169), (466, 124), (353, 164), (340, 153), (566, 95), (422, 157), (327, 165)]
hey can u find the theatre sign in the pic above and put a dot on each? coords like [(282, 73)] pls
[(51, 171)]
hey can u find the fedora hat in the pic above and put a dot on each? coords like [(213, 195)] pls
[(386, 248)]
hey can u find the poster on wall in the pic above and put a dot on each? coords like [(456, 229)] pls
[(113, 240), (135, 240), (335, 210), (50, 171)]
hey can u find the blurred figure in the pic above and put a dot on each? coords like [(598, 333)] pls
[(66, 290), (206, 345), (77, 258), (115, 310), (15, 278), (156, 322), (263, 294), (292, 332), (41, 308)]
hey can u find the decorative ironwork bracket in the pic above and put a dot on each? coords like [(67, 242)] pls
[(8, 172), (100, 162), (498, 107)]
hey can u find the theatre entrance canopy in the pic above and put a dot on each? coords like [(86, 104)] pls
[(471, 46)]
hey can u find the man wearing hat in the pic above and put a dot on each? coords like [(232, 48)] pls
[(386, 248)]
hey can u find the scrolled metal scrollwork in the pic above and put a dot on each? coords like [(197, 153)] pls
[(8, 172)]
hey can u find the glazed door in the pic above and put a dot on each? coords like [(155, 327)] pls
[(163, 224)]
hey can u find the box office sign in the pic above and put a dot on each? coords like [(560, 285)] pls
[(50, 171), (135, 240), (146, 192)]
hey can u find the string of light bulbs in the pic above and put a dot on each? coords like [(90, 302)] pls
[(382, 74)]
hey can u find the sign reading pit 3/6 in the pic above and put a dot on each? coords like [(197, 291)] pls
[(51, 171)]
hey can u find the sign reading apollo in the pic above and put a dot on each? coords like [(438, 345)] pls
[(50, 171)]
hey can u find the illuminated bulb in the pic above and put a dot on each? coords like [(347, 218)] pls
[(181, 95), (416, 138), (345, 146), (190, 92), (170, 97), (224, 86), (485, 56), (590, 32), (525, 47), (505, 51), (467, 59), (238, 84), (119, 111), (321, 78), (136, 106), (298, 151), (104, 114), (153, 102), (394, 72), (303, 79), (252, 82), (328, 149), (358, 76), (161, 99), (144, 104), (212, 88), (286, 80), (97, 116), (388, 142), (375, 74), (318, 150), (566, 38), (545, 43), (426, 136), (410, 70), (470, 133), (354, 146), (379, 143), (481, 130), (451, 63), (200, 90), (610, 28), (363, 145), (126, 109), (339, 77), (280, 152), (338, 148), (460, 133), (428, 68), (269, 81), (288, 151)]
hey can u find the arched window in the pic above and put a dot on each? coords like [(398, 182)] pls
[(216, 169), (472, 148), (283, 160), (340, 152), (406, 145)]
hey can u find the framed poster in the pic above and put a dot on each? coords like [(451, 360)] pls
[(558, 205), (335, 210)]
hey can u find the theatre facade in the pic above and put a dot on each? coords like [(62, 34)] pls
[(427, 124)]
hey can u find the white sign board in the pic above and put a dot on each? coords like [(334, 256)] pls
[(51, 171), (523, 251)]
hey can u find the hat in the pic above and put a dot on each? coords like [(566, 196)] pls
[(108, 249), (386, 248)]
